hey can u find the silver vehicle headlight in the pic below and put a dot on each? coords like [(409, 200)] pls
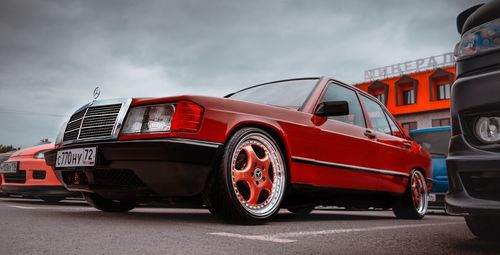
[(149, 119), (60, 135), (481, 39), (487, 129)]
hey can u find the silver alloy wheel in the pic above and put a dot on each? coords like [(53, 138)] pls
[(258, 174), (419, 192)]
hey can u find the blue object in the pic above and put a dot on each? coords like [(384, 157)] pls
[(436, 141)]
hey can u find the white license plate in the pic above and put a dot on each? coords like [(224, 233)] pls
[(432, 197), (8, 167), (76, 157)]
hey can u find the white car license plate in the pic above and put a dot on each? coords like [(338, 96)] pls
[(8, 167), (432, 197), (76, 157)]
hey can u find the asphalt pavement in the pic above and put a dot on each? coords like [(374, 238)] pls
[(72, 227)]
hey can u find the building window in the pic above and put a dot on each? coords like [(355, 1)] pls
[(440, 84), (379, 90), (443, 91), (441, 122), (409, 97), (409, 126), (381, 98), (406, 91)]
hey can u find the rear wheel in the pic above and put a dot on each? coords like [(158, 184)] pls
[(415, 201), (251, 180), (107, 205), (485, 227)]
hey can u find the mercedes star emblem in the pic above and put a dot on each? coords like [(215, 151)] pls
[(97, 92)]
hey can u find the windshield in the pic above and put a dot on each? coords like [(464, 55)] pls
[(291, 93), (436, 142)]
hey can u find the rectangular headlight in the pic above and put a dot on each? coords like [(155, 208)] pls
[(481, 39), (149, 119)]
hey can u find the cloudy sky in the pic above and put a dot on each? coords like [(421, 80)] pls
[(54, 53)]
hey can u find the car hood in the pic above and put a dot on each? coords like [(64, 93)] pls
[(213, 102), (33, 150)]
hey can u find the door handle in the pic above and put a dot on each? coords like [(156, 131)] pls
[(407, 145), (369, 134)]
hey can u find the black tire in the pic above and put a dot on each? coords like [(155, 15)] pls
[(52, 199), (406, 207), (486, 227), (107, 205), (230, 203), (301, 210)]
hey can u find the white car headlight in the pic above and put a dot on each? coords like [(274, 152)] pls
[(483, 38), (149, 119), (40, 154), (487, 129)]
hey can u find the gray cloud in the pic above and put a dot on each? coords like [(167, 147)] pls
[(53, 53)]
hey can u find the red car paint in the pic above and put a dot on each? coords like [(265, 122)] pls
[(307, 136)]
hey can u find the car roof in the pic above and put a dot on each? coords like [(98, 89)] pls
[(432, 129)]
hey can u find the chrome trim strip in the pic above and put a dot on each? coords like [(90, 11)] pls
[(195, 142), (166, 140), (350, 167), (121, 117), (81, 125)]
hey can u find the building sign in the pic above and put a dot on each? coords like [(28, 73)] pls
[(413, 66)]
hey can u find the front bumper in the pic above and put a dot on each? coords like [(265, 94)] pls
[(139, 169), (474, 185), (473, 170), (39, 191)]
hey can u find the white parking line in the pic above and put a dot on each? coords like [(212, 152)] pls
[(285, 237), (23, 207), (47, 208)]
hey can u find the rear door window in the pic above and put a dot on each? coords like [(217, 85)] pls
[(376, 115)]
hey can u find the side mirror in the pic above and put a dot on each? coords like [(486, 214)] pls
[(333, 108)]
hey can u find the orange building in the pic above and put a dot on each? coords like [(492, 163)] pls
[(418, 100)]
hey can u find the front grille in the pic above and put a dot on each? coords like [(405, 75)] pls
[(106, 177), (18, 177), (482, 185), (94, 122), (39, 174)]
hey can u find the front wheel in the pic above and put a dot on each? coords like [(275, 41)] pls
[(107, 205), (485, 227), (250, 183), (415, 201)]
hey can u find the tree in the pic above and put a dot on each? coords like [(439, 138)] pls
[(44, 141), (6, 148)]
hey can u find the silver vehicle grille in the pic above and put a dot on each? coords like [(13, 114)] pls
[(99, 121)]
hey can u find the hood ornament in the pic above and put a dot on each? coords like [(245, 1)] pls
[(95, 95)]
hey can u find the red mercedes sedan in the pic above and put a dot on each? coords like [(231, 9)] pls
[(291, 144)]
